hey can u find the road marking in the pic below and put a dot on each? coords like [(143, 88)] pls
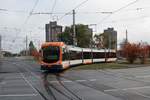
[(53, 81), (38, 77), (81, 80), (142, 95), (18, 95), (61, 81), (28, 82), (92, 80), (145, 76), (134, 88), (69, 81)]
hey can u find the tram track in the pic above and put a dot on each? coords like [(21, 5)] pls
[(67, 94), (48, 88), (22, 71), (28, 69), (51, 88), (60, 82), (47, 85)]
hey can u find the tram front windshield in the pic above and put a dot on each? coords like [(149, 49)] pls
[(51, 54)]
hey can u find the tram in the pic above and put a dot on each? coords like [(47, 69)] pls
[(58, 56)]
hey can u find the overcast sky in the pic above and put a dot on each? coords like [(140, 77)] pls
[(15, 23)]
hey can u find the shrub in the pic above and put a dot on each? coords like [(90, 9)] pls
[(133, 51), (148, 50), (130, 51), (35, 54)]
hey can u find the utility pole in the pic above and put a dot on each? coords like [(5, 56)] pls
[(110, 40), (0, 46), (26, 45), (74, 29), (126, 36)]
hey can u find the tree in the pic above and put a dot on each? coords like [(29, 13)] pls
[(22, 52), (66, 36), (7, 54), (83, 35), (148, 50), (99, 40), (143, 52), (33, 51), (131, 51)]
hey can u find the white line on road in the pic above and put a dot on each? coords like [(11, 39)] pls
[(53, 81), (61, 81), (142, 95), (28, 82), (18, 95), (38, 77), (134, 88), (81, 80), (68, 81), (144, 76), (92, 80)]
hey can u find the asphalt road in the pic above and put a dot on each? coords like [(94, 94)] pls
[(22, 79)]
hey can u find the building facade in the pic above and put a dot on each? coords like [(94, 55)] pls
[(110, 38), (52, 30)]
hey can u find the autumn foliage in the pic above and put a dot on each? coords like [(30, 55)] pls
[(33, 51), (133, 51), (130, 51), (35, 54)]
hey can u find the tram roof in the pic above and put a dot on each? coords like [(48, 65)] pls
[(52, 44), (71, 47)]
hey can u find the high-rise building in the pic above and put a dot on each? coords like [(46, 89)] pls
[(52, 31), (110, 38)]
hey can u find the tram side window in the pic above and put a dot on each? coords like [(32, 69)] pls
[(98, 55), (108, 55), (113, 55), (66, 55), (87, 55), (75, 55)]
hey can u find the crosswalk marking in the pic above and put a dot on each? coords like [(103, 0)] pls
[(68, 81), (18, 95)]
